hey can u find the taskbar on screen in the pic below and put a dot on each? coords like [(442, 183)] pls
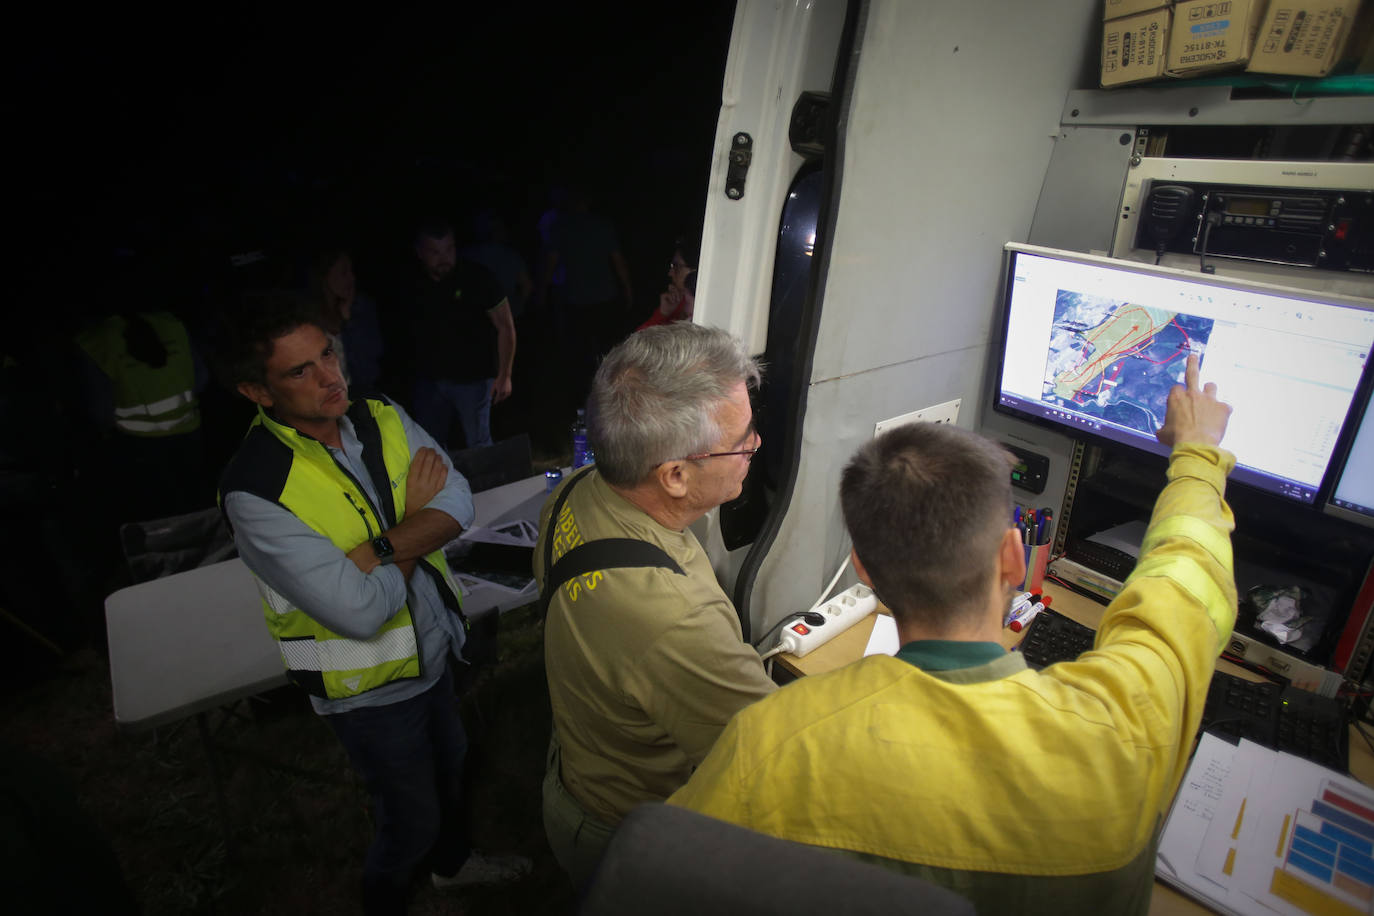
[(1069, 422)]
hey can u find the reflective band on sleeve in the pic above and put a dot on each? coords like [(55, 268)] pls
[(1192, 578), (157, 407), (1213, 541), (349, 654)]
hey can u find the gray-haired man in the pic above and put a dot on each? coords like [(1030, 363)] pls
[(645, 664)]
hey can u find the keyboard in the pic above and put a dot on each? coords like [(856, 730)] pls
[(1106, 560), (1052, 637), (1282, 718)]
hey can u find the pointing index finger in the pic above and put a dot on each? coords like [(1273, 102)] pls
[(1190, 374)]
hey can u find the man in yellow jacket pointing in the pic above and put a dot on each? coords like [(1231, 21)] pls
[(1025, 791)]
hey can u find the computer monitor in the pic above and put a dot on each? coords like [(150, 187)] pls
[(1092, 345), (1352, 488)]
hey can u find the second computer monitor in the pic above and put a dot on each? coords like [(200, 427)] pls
[(1092, 346)]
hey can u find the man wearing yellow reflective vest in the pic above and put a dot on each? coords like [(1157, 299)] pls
[(1027, 792), (142, 378), (341, 510)]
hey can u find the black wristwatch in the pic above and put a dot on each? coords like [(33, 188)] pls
[(385, 552)]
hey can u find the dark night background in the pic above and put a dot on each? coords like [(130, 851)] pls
[(185, 137), (146, 149)]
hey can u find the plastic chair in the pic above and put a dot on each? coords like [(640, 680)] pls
[(163, 546), (669, 861), (493, 465)]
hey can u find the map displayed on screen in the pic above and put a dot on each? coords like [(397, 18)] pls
[(1116, 360)]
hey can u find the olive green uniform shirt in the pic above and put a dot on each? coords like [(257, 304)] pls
[(645, 666)]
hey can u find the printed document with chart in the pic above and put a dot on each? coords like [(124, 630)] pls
[(1255, 831)]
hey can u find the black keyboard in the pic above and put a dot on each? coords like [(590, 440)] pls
[(1054, 638), (1281, 718), (1106, 560)]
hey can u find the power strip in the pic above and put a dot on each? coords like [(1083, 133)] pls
[(838, 614)]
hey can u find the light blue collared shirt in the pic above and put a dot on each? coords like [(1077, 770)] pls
[(317, 577)]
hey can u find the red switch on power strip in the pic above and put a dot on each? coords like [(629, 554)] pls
[(800, 629)]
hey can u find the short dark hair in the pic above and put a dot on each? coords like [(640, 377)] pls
[(246, 330), (433, 227), (927, 506)]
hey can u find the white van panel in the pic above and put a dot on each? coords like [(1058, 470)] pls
[(956, 111)]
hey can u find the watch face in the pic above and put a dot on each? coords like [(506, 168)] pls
[(383, 548)]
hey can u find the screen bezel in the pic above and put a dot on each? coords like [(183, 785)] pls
[(1364, 397), (1255, 480)]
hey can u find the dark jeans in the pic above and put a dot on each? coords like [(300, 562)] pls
[(437, 402), (411, 756)]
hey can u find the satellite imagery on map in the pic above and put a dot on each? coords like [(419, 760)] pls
[(1115, 360)]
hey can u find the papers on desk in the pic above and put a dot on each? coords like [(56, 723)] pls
[(1258, 832), (1126, 538), (500, 556), (883, 640)]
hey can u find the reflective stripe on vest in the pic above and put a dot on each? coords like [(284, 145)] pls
[(343, 654), (366, 662), (148, 401), (139, 418)]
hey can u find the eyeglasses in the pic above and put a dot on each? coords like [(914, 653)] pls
[(741, 451), (744, 451)]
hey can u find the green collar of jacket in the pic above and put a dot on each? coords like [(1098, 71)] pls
[(962, 661)]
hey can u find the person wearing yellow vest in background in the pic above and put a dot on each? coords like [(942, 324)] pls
[(1027, 792), (341, 509), (143, 383)]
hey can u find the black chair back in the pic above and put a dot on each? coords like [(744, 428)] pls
[(493, 465)]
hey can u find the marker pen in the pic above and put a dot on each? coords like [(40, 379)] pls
[(1019, 605), (1024, 620)]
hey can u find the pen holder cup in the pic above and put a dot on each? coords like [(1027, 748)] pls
[(1036, 557)]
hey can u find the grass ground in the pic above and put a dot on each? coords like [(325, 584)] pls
[(299, 834)]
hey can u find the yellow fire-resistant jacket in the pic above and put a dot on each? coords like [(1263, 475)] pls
[(1028, 792)]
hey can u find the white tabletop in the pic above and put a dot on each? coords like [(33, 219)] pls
[(195, 640)]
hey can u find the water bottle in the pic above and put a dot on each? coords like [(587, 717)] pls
[(580, 451)]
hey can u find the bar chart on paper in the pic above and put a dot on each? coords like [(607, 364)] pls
[(1327, 864), (1259, 832)]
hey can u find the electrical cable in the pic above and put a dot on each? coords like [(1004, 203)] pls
[(819, 601), (1213, 219), (831, 587)]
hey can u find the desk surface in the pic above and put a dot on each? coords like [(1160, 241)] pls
[(850, 645), (195, 640)]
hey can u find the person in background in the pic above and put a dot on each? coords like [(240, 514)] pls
[(494, 252), (143, 379), (645, 665), (1027, 792), (596, 296), (350, 315), (463, 338), (677, 301)]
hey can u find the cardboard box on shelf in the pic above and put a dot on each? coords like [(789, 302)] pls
[(1133, 48), (1212, 35), (1115, 9), (1312, 37)]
